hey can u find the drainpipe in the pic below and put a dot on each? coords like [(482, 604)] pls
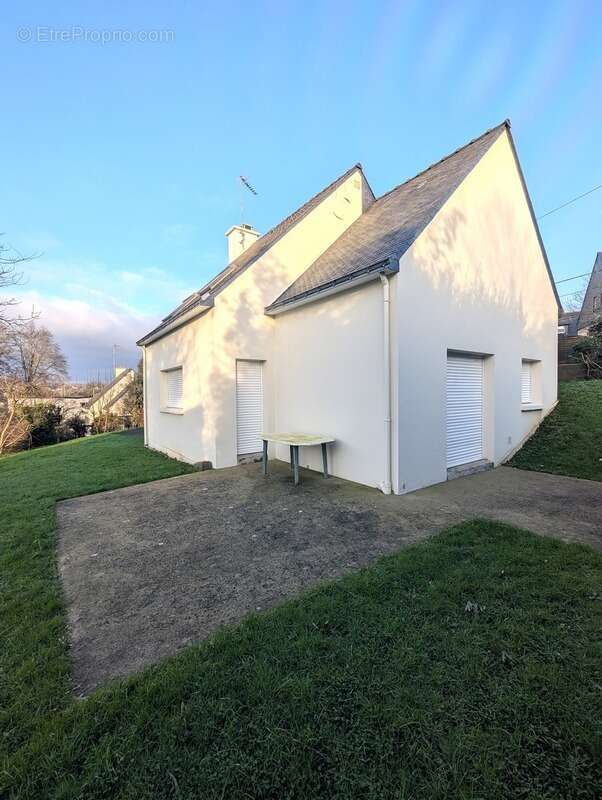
[(144, 410), (386, 484)]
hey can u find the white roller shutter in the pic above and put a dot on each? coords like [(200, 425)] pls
[(464, 409), (525, 382), (249, 406), (174, 388)]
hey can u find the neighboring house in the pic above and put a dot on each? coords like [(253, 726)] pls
[(568, 323), (71, 406), (576, 323), (110, 399), (592, 302), (419, 329)]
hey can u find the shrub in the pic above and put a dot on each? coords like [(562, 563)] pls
[(14, 432), (589, 350), (105, 422), (76, 426), (45, 422)]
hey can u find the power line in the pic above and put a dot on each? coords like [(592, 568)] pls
[(568, 203), (564, 280)]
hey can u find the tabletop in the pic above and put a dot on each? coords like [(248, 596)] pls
[(297, 439)]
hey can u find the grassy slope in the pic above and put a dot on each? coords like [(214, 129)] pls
[(569, 441), (34, 663), (380, 685)]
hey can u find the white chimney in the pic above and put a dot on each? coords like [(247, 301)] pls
[(240, 238)]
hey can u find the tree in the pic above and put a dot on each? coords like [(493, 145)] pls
[(14, 427), (133, 404), (9, 276), (33, 356), (589, 349)]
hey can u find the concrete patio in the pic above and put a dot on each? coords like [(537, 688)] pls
[(151, 568)]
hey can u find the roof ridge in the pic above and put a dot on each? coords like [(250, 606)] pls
[(327, 188), (505, 124), (231, 270), (208, 287)]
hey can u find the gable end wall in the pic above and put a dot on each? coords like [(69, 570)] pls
[(476, 281)]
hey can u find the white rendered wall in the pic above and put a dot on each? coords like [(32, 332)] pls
[(189, 436), (474, 281), (243, 331), (329, 380), (237, 328)]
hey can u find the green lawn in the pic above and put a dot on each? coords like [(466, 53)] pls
[(380, 685), (34, 663), (569, 441)]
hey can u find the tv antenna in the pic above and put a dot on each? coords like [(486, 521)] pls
[(244, 184)]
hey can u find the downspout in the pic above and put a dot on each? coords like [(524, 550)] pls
[(144, 410), (386, 484)]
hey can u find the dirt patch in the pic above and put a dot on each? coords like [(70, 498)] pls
[(151, 568)]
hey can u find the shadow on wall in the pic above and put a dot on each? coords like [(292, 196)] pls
[(479, 274), (469, 261), (241, 330)]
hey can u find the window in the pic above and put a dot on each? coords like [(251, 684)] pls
[(526, 382), (562, 329), (172, 389)]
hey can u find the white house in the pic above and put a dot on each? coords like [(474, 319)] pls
[(418, 329)]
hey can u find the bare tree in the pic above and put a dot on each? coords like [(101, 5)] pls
[(14, 427), (10, 275), (574, 301), (34, 357)]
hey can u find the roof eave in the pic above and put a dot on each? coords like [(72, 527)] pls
[(386, 267), (176, 323), (533, 217)]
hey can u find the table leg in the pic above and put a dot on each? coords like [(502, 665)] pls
[(264, 462), (296, 464), (324, 459), (292, 458)]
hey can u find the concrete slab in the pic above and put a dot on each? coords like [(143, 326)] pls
[(151, 568)]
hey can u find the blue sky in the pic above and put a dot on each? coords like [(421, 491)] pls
[(120, 159)]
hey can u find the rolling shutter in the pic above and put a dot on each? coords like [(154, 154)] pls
[(249, 406), (525, 382), (174, 388), (464, 408)]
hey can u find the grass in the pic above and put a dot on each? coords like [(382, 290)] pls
[(569, 440), (34, 662), (380, 685)]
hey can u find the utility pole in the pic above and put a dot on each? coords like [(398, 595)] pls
[(114, 360)]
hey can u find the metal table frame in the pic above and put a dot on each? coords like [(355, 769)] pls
[(294, 442)]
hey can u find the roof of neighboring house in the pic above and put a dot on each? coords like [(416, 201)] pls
[(392, 223), (203, 296), (125, 377), (564, 317), (594, 288)]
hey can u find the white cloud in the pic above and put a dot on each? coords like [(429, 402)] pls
[(89, 308), (134, 278), (87, 330)]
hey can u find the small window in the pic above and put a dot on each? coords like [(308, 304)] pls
[(597, 302), (172, 389), (561, 329), (526, 382)]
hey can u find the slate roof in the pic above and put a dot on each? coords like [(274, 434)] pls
[(205, 295), (594, 288), (391, 224), (565, 317)]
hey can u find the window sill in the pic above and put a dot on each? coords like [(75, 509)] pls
[(531, 407), (177, 411)]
